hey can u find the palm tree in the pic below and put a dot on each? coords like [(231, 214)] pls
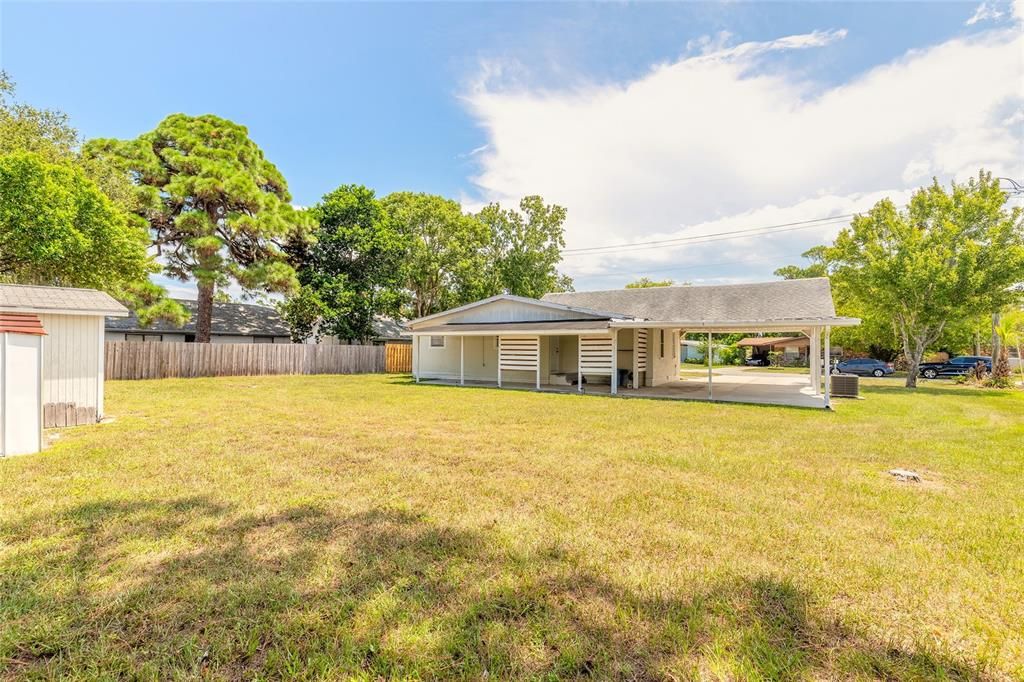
[(1011, 333)]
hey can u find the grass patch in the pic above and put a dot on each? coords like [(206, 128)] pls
[(366, 527)]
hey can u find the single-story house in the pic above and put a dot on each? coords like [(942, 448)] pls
[(626, 338), (72, 354), (794, 349), (693, 351), (231, 323), (385, 330)]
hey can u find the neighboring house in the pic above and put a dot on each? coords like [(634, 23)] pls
[(72, 355), (231, 323), (795, 349), (693, 351), (627, 337), (385, 330)]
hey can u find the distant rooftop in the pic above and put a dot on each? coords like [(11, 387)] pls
[(236, 319)]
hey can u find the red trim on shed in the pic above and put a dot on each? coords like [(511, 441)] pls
[(21, 323)]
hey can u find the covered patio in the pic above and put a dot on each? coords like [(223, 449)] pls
[(573, 342), (790, 390)]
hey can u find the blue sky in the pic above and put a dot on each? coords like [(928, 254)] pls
[(398, 96)]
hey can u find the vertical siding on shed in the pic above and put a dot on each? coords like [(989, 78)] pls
[(71, 359)]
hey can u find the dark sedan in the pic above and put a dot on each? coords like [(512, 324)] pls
[(863, 366), (953, 366)]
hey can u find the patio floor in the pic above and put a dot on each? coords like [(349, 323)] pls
[(791, 390)]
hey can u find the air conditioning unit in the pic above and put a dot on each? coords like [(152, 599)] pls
[(845, 385)]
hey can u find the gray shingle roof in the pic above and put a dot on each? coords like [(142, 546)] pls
[(240, 319), (24, 297), (793, 299), (387, 328)]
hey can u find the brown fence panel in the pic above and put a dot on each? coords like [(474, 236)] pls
[(398, 358), (132, 360)]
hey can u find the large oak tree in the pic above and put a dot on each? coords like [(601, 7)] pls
[(525, 248), (352, 270), (444, 264), (943, 260), (217, 209)]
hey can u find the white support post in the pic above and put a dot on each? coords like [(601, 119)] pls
[(636, 358), (711, 360), (499, 361), (814, 360), (416, 357), (462, 361), (540, 343), (579, 363), (828, 369), (615, 361)]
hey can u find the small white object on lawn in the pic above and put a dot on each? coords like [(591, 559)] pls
[(904, 475)]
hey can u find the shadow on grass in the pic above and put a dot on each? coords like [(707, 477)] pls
[(191, 587)]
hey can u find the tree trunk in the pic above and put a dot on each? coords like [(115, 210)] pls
[(204, 314), (913, 351), (996, 341), (1020, 363)]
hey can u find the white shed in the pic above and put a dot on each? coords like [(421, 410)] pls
[(21, 378), (72, 384)]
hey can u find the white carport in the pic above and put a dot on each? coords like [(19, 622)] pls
[(570, 341)]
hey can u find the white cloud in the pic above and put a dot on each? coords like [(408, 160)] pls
[(986, 11), (724, 138)]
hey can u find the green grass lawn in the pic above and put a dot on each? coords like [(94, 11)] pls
[(364, 527)]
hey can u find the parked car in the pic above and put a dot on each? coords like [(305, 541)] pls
[(864, 366), (953, 366), (757, 361)]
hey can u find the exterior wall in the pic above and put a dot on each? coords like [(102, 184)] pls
[(510, 311), (662, 369), (624, 349), (557, 354), (73, 360), (230, 338), (164, 336), (177, 337), (563, 354), (481, 359)]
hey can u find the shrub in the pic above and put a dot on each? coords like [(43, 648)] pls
[(732, 355), (775, 358)]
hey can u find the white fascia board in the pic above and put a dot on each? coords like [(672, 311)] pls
[(742, 325), (524, 332)]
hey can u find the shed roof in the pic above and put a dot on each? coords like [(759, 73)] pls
[(58, 300), (21, 323), (795, 299)]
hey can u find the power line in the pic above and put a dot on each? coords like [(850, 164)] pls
[(712, 236), (643, 272)]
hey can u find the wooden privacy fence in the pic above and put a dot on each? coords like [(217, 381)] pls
[(158, 360), (398, 358)]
